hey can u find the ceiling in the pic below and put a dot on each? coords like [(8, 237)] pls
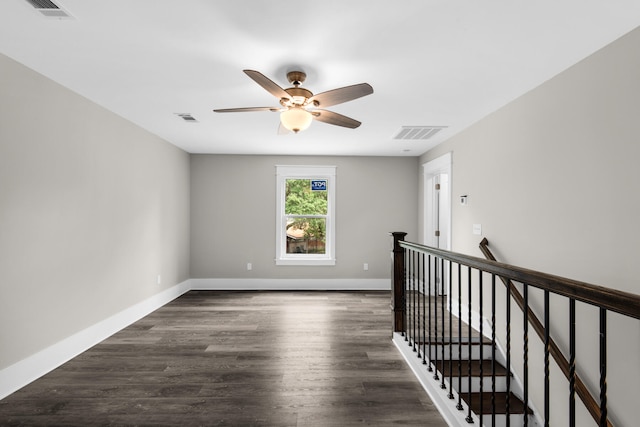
[(431, 62)]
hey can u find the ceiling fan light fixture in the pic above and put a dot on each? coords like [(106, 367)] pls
[(296, 119), (294, 115)]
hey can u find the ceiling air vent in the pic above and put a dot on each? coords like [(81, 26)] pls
[(48, 9), (186, 117), (418, 132)]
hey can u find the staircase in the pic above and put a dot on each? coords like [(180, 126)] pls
[(462, 368), (463, 372)]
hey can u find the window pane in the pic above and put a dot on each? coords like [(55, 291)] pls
[(302, 199), (306, 235)]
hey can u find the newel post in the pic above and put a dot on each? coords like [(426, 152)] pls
[(397, 282)]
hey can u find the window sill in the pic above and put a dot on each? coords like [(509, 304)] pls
[(308, 261)]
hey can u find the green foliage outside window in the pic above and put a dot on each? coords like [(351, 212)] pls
[(301, 200)]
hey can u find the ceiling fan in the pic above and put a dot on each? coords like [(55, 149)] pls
[(299, 106)]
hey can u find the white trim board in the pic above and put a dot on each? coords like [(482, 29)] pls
[(292, 284), (21, 373)]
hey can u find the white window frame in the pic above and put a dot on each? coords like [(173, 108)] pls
[(284, 172)]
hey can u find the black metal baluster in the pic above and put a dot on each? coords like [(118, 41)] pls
[(419, 317), (435, 318), (525, 352), (469, 418), (547, 408), (405, 281), (424, 314), (459, 404), (450, 395), (480, 303), (407, 294), (507, 404), (442, 384), (429, 368), (603, 367), (493, 350), (572, 362), (413, 299)]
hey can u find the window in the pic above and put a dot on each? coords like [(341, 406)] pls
[(305, 215)]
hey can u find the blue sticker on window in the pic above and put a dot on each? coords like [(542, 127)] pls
[(318, 185)]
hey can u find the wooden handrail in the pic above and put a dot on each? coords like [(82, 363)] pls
[(625, 303), (581, 389)]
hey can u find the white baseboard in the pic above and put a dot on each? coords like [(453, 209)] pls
[(33, 367), (292, 284)]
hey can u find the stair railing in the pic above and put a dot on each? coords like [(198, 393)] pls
[(418, 306), (565, 366)]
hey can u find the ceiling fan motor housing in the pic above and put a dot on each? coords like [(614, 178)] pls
[(299, 96), (296, 78)]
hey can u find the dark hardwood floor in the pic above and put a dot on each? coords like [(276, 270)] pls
[(238, 359)]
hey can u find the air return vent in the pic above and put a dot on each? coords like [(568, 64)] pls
[(48, 9), (186, 117), (43, 4), (418, 132)]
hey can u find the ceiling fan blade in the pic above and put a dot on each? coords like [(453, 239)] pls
[(248, 109), (340, 95), (335, 119), (266, 83)]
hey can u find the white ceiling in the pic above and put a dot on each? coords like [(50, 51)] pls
[(430, 62)]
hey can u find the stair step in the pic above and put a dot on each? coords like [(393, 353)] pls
[(516, 406), (462, 368), (454, 350), (461, 383), (438, 340)]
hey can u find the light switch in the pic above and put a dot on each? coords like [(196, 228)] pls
[(477, 229)]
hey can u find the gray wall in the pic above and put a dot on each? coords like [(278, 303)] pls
[(233, 211), (92, 209), (553, 178)]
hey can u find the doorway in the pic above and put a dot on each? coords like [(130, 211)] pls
[(437, 210)]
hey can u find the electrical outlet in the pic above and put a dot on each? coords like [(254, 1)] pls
[(159, 279), (249, 266), (365, 266)]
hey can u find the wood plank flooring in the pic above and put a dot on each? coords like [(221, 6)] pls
[(275, 358)]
